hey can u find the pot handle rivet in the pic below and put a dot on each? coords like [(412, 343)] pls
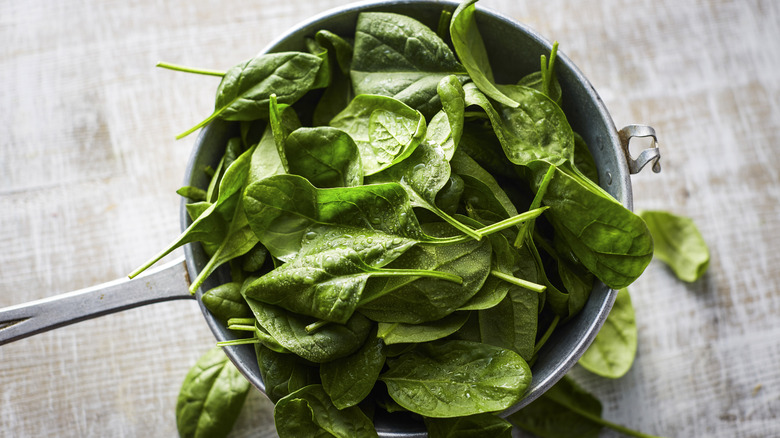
[(650, 154)]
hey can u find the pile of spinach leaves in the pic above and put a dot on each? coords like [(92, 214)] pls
[(403, 233)]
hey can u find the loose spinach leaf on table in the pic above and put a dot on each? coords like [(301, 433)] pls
[(309, 412), (456, 378), (567, 410), (612, 352), (400, 57), (472, 426), (678, 243), (211, 397)]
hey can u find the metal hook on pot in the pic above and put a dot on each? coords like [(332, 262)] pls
[(650, 154)]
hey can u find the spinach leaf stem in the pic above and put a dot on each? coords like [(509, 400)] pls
[(185, 69)]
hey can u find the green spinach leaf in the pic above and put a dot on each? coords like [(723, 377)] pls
[(385, 130), (400, 57), (445, 379), (678, 243), (471, 50), (308, 412), (246, 88), (612, 352), (350, 379), (472, 426), (211, 397), (326, 156)]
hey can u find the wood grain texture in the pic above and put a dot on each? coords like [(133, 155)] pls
[(89, 168)]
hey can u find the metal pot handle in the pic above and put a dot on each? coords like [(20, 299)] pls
[(650, 154), (169, 282)]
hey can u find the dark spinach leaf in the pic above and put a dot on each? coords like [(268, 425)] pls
[(326, 156), (350, 379), (472, 426), (308, 412)]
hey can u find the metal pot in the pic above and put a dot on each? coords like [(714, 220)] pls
[(514, 51)]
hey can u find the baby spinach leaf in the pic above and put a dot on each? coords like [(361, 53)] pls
[(400, 57), (608, 239), (246, 88), (536, 129), (472, 53), (211, 397), (678, 243), (308, 412), (326, 279), (512, 323), (400, 333), (283, 373), (455, 378), (453, 100), (225, 302), (422, 175), (417, 300), (350, 379), (326, 156), (328, 343), (489, 295), (385, 130), (265, 160), (472, 426), (282, 207), (195, 194), (254, 259), (612, 352)]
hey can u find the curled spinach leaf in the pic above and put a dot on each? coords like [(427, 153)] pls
[(471, 50), (326, 156), (678, 243), (385, 130)]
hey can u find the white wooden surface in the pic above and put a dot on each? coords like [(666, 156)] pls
[(89, 166)]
